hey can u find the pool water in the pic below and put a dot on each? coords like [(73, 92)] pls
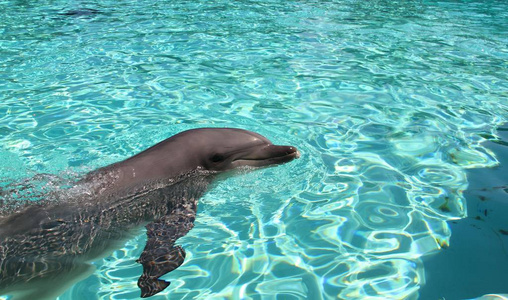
[(389, 102)]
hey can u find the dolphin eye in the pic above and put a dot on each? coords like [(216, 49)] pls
[(217, 158)]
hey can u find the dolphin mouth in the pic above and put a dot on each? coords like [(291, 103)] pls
[(268, 155), (289, 152)]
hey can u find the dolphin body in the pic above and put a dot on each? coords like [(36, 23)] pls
[(48, 244)]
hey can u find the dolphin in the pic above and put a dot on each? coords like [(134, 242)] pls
[(84, 12), (51, 243)]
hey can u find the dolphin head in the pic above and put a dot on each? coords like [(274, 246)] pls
[(223, 149), (205, 149)]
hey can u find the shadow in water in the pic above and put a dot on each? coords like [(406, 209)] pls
[(476, 263)]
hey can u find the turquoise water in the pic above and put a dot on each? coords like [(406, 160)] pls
[(388, 101)]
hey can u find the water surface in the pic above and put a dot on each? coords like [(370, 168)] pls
[(389, 102)]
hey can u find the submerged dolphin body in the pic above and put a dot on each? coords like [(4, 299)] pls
[(43, 245)]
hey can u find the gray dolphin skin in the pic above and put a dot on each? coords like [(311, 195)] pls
[(50, 244)]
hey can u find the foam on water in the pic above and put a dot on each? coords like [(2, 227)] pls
[(388, 101)]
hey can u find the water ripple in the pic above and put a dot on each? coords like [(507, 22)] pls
[(389, 103)]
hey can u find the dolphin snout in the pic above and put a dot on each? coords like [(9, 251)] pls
[(268, 155), (293, 150)]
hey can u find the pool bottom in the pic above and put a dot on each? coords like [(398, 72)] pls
[(476, 262)]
